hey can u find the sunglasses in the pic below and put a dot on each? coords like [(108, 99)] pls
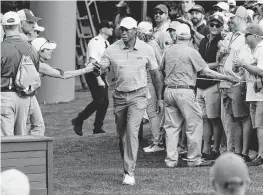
[(212, 25), (247, 34), (217, 9), (160, 13)]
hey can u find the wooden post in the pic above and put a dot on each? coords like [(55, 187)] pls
[(33, 155)]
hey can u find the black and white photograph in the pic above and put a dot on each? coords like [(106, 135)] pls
[(129, 97)]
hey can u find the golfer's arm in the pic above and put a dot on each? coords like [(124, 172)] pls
[(157, 83)]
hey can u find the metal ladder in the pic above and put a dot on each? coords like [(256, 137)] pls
[(84, 33)]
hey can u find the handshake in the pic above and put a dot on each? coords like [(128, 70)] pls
[(96, 71)]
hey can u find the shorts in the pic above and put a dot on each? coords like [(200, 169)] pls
[(210, 101), (256, 113), (233, 101)]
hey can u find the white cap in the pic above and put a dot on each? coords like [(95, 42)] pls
[(232, 2), (39, 28), (183, 31), (14, 182), (128, 23), (42, 43), (250, 13), (10, 18), (145, 27), (223, 5), (260, 2)]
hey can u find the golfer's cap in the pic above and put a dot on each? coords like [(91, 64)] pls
[(162, 7), (122, 4), (39, 28), (260, 2), (198, 8), (174, 25), (145, 27), (217, 18), (183, 31), (254, 29), (10, 18), (27, 15), (42, 43), (229, 167), (128, 23), (223, 5), (239, 11), (105, 24), (14, 182), (232, 2)]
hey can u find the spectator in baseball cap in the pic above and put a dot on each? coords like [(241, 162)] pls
[(172, 29), (229, 175), (221, 7), (28, 21), (199, 24), (162, 23), (232, 4)]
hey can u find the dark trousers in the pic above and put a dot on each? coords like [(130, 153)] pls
[(100, 101)]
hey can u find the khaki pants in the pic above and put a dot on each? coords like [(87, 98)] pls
[(129, 108), (35, 121), (233, 109), (154, 117), (14, 112), (181, 106)]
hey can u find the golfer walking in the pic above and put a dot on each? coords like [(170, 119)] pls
[(129, 58)]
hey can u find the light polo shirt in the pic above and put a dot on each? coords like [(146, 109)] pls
[(181, 63), (96, 47), (235, 42), (129, 66), (258, 57), (162, 37)]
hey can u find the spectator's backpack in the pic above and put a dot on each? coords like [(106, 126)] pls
[(27, 79)]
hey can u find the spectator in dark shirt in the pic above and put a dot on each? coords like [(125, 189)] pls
[(208, 94)]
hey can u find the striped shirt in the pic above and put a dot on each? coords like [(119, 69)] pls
[(181, 63), (129, 66)]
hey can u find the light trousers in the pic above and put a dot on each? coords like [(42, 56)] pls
[(129, 108)]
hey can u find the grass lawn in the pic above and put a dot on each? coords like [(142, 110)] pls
[(92, 164)]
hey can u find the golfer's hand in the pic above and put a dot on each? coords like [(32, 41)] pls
[(89, 68), (159, 106)]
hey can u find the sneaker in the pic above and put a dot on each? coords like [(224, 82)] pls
[(153, 148), (128, 180), (195, 163), (181, 150), (77, 127), (256, 162), (97, 131), (213, 155), (205, 155), (246, 158)]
